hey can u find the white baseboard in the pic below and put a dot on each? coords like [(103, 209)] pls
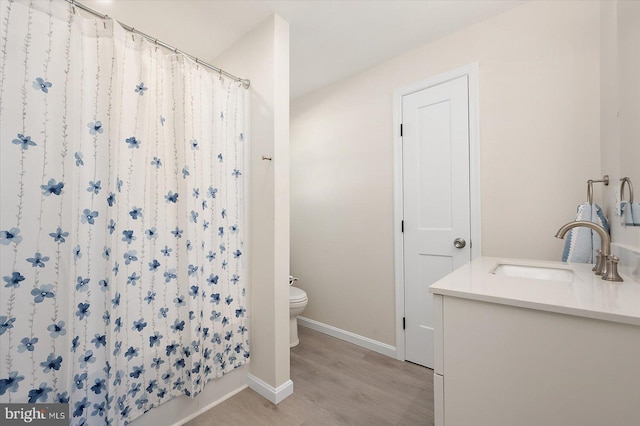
[(275, 395), (348, 336)]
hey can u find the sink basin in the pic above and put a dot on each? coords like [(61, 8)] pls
[(533, 272)]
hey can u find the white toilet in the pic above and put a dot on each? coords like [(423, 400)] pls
[(297, 302)]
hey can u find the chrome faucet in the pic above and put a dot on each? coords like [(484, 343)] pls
[(607, 264)]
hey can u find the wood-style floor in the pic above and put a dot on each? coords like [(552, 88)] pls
[(336, 383)]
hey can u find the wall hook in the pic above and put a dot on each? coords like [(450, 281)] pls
[(590, 182), (626, 180), (266, 158)]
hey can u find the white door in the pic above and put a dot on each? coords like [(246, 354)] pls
[(437, 231)]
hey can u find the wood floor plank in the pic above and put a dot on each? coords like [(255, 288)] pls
[(336, 383)]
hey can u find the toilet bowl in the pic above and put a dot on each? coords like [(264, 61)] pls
[(297, 302)]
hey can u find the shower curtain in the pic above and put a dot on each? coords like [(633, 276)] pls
[(121, 217)]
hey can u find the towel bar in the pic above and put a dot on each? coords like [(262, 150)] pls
[(590, 182), (626, 180)]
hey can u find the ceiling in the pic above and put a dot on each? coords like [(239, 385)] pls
[(330, 39)]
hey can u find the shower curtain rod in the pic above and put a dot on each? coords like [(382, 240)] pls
[(245, 82)]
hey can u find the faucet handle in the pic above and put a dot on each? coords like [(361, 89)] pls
[(611, 273)]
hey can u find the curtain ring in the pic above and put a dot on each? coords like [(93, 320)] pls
[(220, 74)]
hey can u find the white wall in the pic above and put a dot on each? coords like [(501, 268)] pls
[(263, 57), (539, 138)]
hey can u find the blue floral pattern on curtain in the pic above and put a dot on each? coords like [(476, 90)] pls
[(121, 218)]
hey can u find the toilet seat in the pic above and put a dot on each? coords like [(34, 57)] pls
[(296, 295)]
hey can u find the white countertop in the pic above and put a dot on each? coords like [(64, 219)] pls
[(587, 295)]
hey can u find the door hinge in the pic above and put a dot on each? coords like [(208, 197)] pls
[(400, 129), (404, 323), (402, 226)]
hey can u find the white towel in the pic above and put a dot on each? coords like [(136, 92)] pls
[(581, 244)]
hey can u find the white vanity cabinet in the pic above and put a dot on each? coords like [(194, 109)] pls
[(506, 354)]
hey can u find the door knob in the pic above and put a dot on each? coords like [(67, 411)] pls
[(459, 243)]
